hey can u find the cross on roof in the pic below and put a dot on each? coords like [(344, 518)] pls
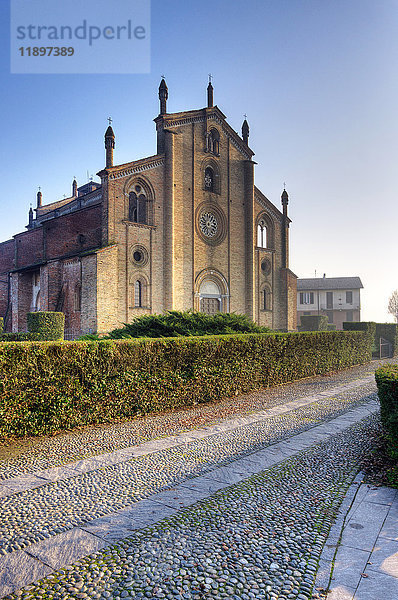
[(210, 77), (110, 120), (245, 115)]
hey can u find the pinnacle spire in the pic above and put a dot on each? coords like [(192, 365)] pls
[(245, 131), (163, 95)]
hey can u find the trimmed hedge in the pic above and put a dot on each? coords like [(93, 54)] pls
[(387, 385), (46, 387), (20, 336), (388, 331), (48, 326), (313, 323)]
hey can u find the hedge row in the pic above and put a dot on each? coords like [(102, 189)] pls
[(388, 331), (47, 386), (313, 323), (387, 385)]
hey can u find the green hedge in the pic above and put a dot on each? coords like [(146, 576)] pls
[(46, 387), (48, 326), (387, 385), (368, 326), (174, 323), (313, 323), (1, 325), (20, 336), (388, 331)]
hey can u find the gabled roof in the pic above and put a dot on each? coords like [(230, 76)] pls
[(329, 283)]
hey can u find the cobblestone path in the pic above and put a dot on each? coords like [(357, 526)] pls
[(232, 500)]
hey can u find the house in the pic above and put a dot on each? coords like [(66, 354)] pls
[(336, 297), (183, 229)]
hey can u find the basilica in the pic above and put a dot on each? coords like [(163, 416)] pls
[(186, 228)]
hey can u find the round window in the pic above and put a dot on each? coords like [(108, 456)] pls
[(208, 224), (138, 255), (211, 223), (266, 266)]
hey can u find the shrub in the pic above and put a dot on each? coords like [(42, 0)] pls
[(175, 323), (1, 325), (313, 323), (48, 386), (49, 326), (387, 385), (331, 327), (20, 336)]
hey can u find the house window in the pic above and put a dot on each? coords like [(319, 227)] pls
[(306, 297), (349, 316), (209, 179), (138, 294), (137, 205), (262, 234), (348, 298), (329, 300)]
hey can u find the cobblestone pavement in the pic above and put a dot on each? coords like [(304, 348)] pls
[(260, 489)]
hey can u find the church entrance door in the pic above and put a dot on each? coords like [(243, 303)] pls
[(210, 306)]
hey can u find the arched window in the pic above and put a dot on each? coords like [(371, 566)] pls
[(138, 294), (265, 299), (78, 298), (262, 234), (138, 205), (214, 142), (209, 179)]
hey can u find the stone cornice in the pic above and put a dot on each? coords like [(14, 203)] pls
[(133, 169)]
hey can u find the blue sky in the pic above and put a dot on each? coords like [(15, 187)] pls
[(318, 81)]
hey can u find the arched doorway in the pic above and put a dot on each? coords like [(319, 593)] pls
[(211, 292)]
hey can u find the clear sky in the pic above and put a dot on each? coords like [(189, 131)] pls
[(318, 80)]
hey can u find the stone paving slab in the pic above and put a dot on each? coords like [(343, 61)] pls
[(120, 525), (385, 558), (18, 570), (377, 587), (66, 548), (360, 556)]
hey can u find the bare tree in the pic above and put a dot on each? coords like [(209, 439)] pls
[(393, 305)]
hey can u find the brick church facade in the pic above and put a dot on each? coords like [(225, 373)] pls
[(184, 229)]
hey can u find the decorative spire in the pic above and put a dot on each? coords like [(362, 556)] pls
[(245, 131), (285, 200), (163, 95), (30, 217), (109, 144), (39, 198), (210, 90), (74, 187)]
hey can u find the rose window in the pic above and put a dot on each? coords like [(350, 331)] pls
[(208, 224)]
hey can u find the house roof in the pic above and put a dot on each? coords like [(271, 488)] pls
[(329, 283)]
